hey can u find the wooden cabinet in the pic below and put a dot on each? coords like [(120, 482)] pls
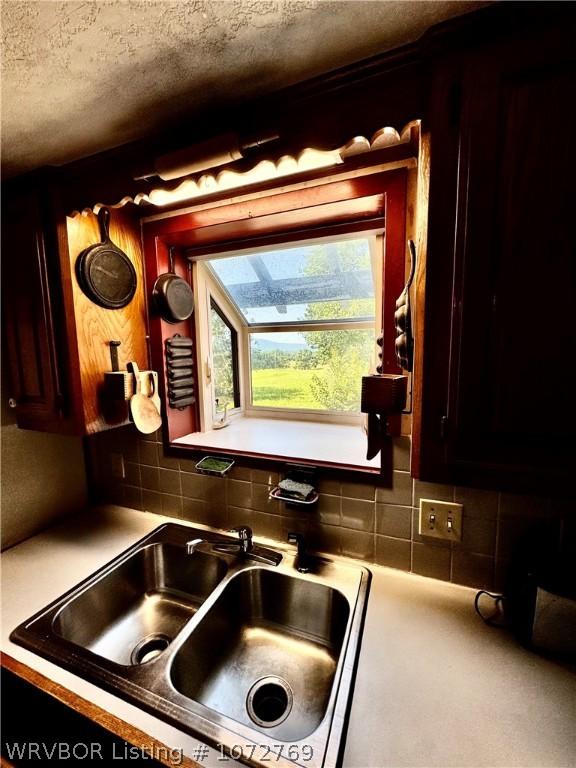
[(34, 325), (498, 386), (56, 339)]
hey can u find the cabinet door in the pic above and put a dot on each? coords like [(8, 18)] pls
[(32, 307), (509, 414)]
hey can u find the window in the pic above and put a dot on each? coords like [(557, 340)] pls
[(296, 264), (309, 317), (224, 360)]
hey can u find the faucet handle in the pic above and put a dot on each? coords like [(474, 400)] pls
[(245, 535), (191, 545), (243, 531), (295, 538)]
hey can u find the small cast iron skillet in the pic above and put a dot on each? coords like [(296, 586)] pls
[(173, 296), (104, 272)]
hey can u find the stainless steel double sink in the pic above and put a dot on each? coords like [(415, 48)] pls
[(237, 653)]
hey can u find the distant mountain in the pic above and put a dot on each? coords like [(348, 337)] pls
[(264, 345)]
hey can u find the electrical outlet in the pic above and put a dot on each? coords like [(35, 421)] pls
[(440, 520), (117, 466)]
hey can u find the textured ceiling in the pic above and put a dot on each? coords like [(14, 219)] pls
[(82, 76)]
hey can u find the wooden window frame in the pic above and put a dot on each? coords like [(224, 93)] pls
[(357, 201), (234, 343)]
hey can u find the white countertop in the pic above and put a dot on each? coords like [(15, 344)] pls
[(338, 444), (435, 686)]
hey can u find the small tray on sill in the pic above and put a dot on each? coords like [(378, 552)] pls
[(276, 493)]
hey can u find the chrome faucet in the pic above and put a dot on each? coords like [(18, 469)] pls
[(191, 545), (245, 541), (243, 547)]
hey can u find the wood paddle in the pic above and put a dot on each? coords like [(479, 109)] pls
[(144, 412)]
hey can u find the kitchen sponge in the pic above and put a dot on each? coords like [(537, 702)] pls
[(299, 491)]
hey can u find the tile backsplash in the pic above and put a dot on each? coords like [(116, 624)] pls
[(352, 517)]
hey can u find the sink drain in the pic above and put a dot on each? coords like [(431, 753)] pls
[(148, 648), (269, 701)]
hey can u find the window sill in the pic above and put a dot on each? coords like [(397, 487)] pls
[(333, 445)]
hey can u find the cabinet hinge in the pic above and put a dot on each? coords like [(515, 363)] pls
[(444, 427)]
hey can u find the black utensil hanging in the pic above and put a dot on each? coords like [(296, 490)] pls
[(114, 355), (180, 388), (104, 272), (173, 295), (404, 343)]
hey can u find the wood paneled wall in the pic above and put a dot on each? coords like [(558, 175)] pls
[(96, 326)]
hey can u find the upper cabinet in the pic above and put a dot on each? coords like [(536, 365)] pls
[(498, 402), (33, 313), (56, 338)]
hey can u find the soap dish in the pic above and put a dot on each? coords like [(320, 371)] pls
[(276, 493)]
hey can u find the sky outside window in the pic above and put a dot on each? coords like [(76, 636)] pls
[(305, 283)]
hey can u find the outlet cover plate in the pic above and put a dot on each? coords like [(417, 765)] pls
[(440, 520)]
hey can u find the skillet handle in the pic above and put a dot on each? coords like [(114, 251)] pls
[(171, 259), (104, 223)]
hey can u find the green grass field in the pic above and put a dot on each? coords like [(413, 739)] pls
[(283, 387)]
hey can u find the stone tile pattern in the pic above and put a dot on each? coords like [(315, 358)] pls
[(353, 517)]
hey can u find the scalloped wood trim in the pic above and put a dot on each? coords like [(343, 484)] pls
[(205, 185)]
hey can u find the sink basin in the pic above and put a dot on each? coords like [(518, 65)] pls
[(134, 612), (226, 649), (269, 648)]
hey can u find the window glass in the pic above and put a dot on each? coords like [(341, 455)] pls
[(323, 281), (316, 370), (224, 367)]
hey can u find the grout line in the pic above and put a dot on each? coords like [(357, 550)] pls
[(388, 536)]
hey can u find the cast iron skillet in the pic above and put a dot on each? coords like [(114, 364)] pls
[(173, 295), (104, 272)]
